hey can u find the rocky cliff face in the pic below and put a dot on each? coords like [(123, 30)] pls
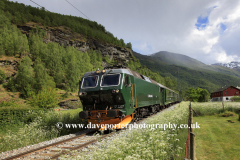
[(65, 37)]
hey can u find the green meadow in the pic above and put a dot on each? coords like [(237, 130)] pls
[(218, 136)]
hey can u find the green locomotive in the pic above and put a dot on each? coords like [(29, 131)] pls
[(118, 96)]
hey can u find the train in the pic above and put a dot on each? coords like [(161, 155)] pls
[(120, 96)]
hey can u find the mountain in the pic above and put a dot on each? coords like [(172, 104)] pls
[(188, 71), (185, 61), (232, 65), (178, 59)]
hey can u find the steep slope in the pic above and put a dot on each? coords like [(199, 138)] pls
[(178, 59), (185, 61), (38, 52), (211, 80)]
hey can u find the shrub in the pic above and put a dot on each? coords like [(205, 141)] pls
[(8, 104), (2, 76), (46, 98), (226, 114), (235, 98)]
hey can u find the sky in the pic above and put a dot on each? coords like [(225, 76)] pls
[(206, 30)]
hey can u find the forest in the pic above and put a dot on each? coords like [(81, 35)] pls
[(19, 13), (50, 65)]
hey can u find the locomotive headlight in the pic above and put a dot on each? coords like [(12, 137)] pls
[(103, 71), (82, 93), (97, 71), (115, 91)]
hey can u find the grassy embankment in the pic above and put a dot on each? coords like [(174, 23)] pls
[(33, 126), (41, 129), (218, 137), (146, 143)]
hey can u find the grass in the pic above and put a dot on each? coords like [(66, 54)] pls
[(72, 112), (211, 108), (218, 137), (41, 129), (146, 143)]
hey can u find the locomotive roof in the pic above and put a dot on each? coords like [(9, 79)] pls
[(130, 72), (112, 71)]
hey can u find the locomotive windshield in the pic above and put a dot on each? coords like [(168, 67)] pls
[(90, 82), (110, 80)]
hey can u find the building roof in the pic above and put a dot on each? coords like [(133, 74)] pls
[(223, 88)]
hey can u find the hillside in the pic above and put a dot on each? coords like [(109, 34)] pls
[(177, 59), (185, 61), (210, 80), (38, 52)]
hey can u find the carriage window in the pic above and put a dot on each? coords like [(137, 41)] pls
[(90, 82), (110, 80)]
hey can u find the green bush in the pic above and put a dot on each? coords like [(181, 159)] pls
[(46, 98), (226, 114), (8, 104), (235, 98), (2, 76), (12, 113)]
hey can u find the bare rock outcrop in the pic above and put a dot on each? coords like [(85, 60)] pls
[(65, 37)]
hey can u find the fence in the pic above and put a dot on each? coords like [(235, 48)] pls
[(190, 143)]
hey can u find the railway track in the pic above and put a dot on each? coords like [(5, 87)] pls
[(78, 143)]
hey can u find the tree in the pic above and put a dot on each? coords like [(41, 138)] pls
[(24, 78), (129, 45), (53, 62), (198, 94), (72, 74), (2, 5), (41, 78), (171, 83)]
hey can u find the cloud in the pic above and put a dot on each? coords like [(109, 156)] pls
[(206, 30)]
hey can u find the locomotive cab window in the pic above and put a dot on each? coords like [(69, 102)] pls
[(110, 80), (90, 82)]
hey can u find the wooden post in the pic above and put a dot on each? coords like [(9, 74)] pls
[(192, 146), (239, 115), (223, 106), (191, 119)]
